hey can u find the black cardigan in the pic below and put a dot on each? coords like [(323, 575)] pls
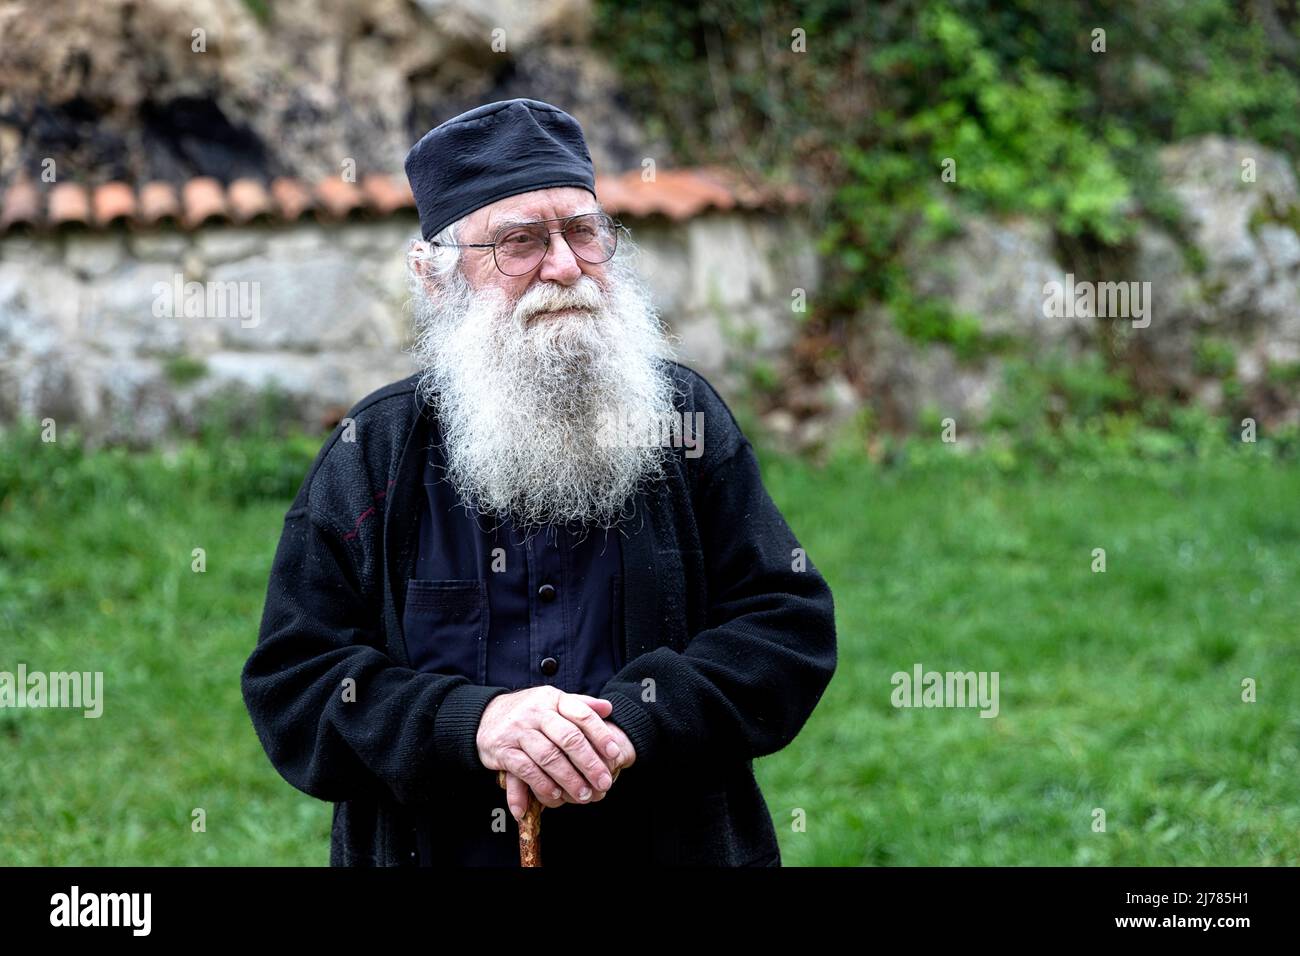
[(730, 643)]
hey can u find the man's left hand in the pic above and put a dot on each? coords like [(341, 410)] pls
[(518, 792)]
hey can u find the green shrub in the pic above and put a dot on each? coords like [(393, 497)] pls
[(1037, 120), (1215, 357)]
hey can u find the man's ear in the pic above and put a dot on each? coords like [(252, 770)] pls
[(420, 264), (417, 258)]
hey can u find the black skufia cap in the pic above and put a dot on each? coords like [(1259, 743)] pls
[(497, 150)]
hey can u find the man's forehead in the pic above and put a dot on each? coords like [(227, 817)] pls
[(543, 204)]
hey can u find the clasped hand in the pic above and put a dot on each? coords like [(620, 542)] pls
[(556, 744)]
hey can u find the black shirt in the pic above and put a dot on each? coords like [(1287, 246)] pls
[(506, 611)]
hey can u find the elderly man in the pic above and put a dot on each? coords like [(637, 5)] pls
[(487, 570)]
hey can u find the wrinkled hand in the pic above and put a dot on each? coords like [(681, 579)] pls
[(517, 791), (554, 743), (624, 744)]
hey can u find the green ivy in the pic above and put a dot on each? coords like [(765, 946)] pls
[(1215, 357), (1037, 121), (929, 319)]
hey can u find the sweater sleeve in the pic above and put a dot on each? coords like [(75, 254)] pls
[(744, 686), (337, 717)]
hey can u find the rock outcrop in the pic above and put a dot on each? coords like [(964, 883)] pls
[(141, 90)]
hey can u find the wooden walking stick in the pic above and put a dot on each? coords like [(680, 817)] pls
[(530, 827)]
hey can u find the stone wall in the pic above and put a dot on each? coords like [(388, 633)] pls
[(1223, 322), (91, 331), (80, 341)]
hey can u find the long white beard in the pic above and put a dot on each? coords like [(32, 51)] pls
[(521, 396)]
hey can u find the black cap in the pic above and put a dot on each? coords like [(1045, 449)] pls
[(497, 150)]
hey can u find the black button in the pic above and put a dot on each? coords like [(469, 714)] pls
[(549, 666), (547, 593)]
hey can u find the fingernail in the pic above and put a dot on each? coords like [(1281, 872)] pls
[(611, 748), (556, 793), (605, 781), (584, 793)]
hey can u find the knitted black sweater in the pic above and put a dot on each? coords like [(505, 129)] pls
[(730, 643)]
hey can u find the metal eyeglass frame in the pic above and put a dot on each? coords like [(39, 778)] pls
[(614, 227)]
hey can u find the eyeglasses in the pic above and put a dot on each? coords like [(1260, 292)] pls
[(518, 248)]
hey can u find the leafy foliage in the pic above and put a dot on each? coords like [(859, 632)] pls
[(1020, 95), (911, 114)]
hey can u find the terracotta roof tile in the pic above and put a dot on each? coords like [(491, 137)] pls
[(21, 207), (626, 195), (690, 193), (203, 200), (759, 193), (386, 194), (158, 204), (682, 193), (747, 194), (248, 201), (114, 203), (68, 205), (338, 197), (614, 196), (675, 193), (293, 198)]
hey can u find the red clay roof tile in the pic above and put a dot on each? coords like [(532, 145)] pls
[(386, 194), (203, 200), (158, 204), (626, 195), (338, 197), (21, 206), (248, 200), (293, 198), (689, 193), (69, 205), (114, 203), (675, 193)]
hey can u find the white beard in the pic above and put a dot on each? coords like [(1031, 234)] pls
[(521, 397)]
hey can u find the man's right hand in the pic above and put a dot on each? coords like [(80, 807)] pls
[(557, 743)]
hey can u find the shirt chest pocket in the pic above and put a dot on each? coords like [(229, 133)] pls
[(445, 626)]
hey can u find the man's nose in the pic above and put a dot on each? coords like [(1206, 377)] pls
[(560, 264)]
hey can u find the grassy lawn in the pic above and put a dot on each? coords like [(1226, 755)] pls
[(1118, 690)]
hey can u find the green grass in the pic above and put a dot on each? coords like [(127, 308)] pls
[(1118, 690)]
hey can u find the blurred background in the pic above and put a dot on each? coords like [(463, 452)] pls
[(859, 220)]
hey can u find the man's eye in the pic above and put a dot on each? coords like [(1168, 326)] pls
[(519, 238)]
